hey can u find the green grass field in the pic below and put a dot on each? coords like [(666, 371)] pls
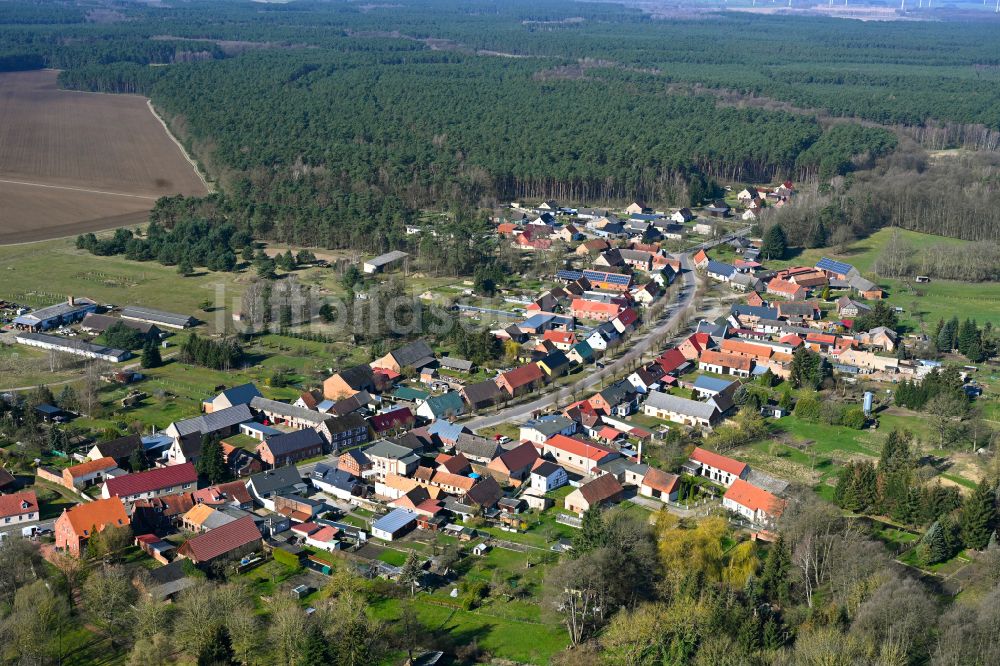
[(929, 302), (47, 272)]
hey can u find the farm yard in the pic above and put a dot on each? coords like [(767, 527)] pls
[(73, 162)]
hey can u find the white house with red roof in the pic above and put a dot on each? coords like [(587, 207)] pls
[(18, 508), (755, 504), (716, 467), (576, 454)]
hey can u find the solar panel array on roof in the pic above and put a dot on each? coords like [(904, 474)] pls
[(569, 275), (394, 520), (610, 278), (838, 267)]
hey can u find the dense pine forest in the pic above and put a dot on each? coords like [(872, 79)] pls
[(334, 124)]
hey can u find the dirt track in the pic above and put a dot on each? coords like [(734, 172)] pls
[(72, 162)]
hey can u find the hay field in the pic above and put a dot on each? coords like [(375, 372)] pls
[(73, 162)]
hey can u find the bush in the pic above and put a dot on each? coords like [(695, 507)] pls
[(853, 417), (808, 408)]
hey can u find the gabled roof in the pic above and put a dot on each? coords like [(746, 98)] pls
[(217, 420), (456, 363), (601, 489), (392, 419), (446, 430), (240, 395), (576, 447), (486, 493), (483, 391), (476, 446), (288, 410), (275, 479), (357, 377), (120, 448), (657, 479), (720, 268), (291, 442), (838, 267), (520, 457), (395, 520), (713, 384), (753, 498), (523, 375), (726, 360), (158, 316), (546, 468), (386, 449), (221, 540), (549, 424), (408, 355), (17, 504), (718, 461), (97, 514), (446, 404), (152, 480), (671, 360), (224, 493), (678, 405), (91, 466)]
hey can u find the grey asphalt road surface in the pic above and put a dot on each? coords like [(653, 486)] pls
[(639, 345)]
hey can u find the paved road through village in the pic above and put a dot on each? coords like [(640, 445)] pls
[(640, 344)]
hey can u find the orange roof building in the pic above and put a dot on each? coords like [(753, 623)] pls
[(755, 504), (76, 525), (89, 473), (716, 467), (585, 309), (722, 363)]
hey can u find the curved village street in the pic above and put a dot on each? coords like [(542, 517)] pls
[(640, 344)]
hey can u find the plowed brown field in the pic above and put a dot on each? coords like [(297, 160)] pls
[(72, 162)]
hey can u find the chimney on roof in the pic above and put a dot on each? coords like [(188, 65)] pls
[(71, 300)]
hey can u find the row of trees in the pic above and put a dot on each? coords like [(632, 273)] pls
[(222, 354)]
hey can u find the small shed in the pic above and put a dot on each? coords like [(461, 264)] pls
[(480, 549)]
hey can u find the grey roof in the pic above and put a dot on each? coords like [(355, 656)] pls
[(241, 394), (395, 520), (456, 363), (290, 442), (550, 424), (358, 377), (673, 403), (546, 469), (476, 446), (285, 409), (215, 421), (58, 310), (157, 316), (386, 449), (409, 355), (120, 448), (334, 476), (73, 343), (861, 284), (275, 479), (101, 323), (480, 392), (619, 392), (387, 258)]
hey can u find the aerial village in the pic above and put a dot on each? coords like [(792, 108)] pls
[(405, 451)]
